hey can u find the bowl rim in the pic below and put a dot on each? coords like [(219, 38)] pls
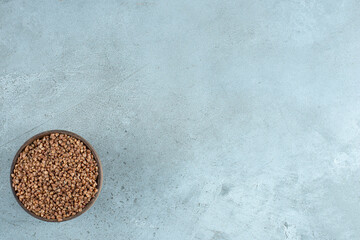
[(88, 145)]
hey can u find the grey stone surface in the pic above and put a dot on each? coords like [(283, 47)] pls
[(213, 119)]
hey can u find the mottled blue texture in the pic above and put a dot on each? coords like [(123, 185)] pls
[(213, 119)]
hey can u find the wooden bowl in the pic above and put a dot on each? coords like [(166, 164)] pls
[(96, 157)]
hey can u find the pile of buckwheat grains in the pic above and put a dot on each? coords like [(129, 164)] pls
[(55, 176)]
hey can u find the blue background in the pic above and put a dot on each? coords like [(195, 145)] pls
[(213, 119)]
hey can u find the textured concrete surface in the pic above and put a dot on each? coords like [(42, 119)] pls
[(213, 119)]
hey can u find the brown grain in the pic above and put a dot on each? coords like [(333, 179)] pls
[(55, 176)]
